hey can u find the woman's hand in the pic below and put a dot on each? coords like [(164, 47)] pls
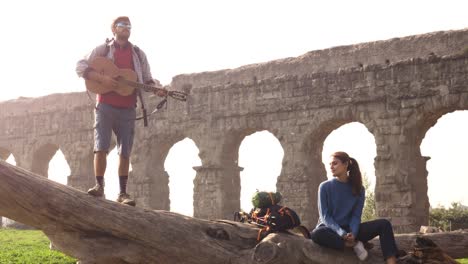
[(349, 239)]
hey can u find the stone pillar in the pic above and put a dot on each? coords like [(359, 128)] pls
[(80, 158), (148, 182), (81, 172), (401, 182), (217, 182), (217, 191), (158, 188), (302, 173), (24, 160)]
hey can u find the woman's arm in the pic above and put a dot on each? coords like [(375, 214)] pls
[(357, 213), (325, 212)]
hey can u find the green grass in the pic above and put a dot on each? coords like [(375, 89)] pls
[(28, 247), (32, 247)]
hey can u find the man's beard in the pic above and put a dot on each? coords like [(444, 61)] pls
[(122, 37)]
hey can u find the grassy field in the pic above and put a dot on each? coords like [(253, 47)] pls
[(32, 247), (28, 247)]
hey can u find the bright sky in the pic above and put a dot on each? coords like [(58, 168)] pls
[(42, 40)]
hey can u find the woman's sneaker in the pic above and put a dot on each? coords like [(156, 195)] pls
[(360, 251), (124, 198)]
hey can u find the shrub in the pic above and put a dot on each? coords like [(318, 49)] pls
[(453, 218), (368, 213)]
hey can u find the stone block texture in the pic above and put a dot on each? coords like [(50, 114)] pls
[(397, 88)]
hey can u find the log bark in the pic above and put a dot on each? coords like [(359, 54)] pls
[(101, 231)]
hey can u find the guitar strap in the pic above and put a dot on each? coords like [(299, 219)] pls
[(145, 116), (158, 107)]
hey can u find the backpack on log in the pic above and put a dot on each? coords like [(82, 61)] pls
[(270, 216)]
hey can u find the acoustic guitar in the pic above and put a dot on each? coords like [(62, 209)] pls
[(126, 78)]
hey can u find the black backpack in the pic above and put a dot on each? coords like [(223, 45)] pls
[(274, 218)]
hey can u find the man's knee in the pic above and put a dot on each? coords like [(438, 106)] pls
[(100, 157), (100, 153)]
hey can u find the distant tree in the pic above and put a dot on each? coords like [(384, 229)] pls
[(368, 213), (453, 218)]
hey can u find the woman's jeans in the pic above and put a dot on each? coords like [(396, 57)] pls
[(325, 236)]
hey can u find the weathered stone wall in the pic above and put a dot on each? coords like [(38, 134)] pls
[(395, 88)]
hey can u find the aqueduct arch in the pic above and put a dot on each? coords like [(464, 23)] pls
[(396, 93), (42, 157)]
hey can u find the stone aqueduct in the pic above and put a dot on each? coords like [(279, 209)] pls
[(397, 88)]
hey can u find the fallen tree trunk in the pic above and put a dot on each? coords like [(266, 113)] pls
[(100, 231)]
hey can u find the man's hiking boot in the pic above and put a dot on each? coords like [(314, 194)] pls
[(97, 191), (124, 198)]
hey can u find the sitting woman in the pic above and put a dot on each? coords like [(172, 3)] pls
[(340, 204)]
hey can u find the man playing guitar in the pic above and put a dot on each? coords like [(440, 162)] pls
[(115, 112)]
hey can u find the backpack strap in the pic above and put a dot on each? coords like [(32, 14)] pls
[(140, 96), (285, 211), (271, 198), (107, 44), (262, 232), (137, 50)]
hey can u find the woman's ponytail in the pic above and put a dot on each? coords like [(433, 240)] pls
[(355, 176)]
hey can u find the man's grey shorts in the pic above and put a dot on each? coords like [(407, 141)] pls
[(119, 120)]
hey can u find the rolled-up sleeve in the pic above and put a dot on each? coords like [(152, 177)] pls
[(82, 66), (357, 213), (145, 68)]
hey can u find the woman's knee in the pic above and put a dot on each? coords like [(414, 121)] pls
[(320, 234), (326, 237), (315, 235), (384, 224)]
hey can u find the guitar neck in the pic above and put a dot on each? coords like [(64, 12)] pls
[(181, 96), (146, 87)]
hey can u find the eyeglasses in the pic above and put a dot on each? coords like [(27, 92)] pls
[(124, 25)]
